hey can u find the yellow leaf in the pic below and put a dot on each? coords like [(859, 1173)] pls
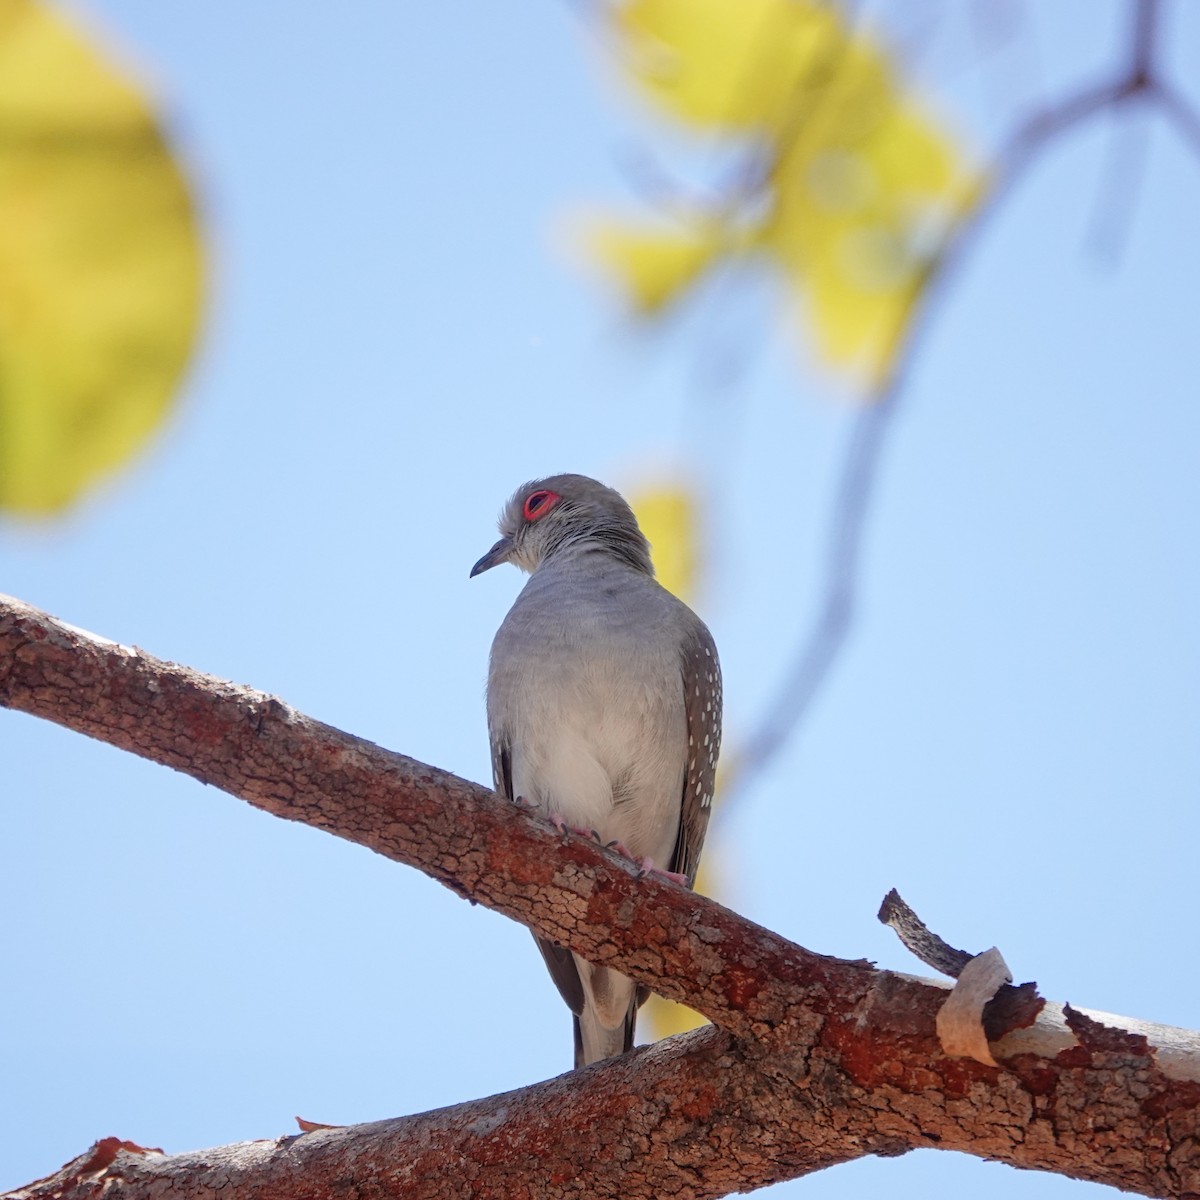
[(664, 1018), (725, 65), (652, 267), (666, 513), (667, 516), (863, 196), (858, 186), (100, 263)]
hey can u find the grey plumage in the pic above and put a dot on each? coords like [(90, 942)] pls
[(604, 708)]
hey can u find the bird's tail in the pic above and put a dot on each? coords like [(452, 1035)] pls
[(594, 1042)]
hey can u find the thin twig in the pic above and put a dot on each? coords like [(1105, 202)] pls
[(825, 639), (1179, 113), (1117, 196)]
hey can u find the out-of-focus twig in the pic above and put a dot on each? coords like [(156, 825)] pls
[(1182, 116), (819, 648), (1117, 196)]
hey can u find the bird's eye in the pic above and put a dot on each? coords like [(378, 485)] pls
[(538, 504)]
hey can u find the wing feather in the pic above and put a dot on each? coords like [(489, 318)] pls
[(701, 674), (559, 961)]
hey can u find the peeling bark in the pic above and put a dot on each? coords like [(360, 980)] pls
[(815, 1060)]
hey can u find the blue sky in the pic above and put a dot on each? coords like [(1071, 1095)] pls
[(394, 341)]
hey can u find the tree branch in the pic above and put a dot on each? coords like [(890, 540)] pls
[(816, 1061), (1139, 78), (489, 851)]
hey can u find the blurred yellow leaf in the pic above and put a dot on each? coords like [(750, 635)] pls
[(667, 515), (666, 512), (653, 267), (862, 197), (722, 65), (100, 263), (855, 186)]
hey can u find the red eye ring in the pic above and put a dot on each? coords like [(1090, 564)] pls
[(539, 503)]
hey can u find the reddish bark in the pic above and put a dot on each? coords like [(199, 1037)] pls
[(816, 1061)]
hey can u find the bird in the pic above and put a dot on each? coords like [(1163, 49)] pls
[(604, 710)]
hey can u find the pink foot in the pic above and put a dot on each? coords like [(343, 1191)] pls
[(646, 867), (556, 819)]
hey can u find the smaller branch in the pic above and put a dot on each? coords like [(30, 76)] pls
[(824, 641), (1144, 43), (919, 940), (826, 637), (978, 979), (1181, 115), (1116, 199), (1082, 1094), (697, 1110)]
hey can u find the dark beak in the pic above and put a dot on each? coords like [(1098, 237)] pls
[(497, 554)]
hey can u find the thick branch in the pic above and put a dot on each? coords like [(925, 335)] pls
[(691, 1117), (265, 752), (819, 1060), (703, 1115)]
